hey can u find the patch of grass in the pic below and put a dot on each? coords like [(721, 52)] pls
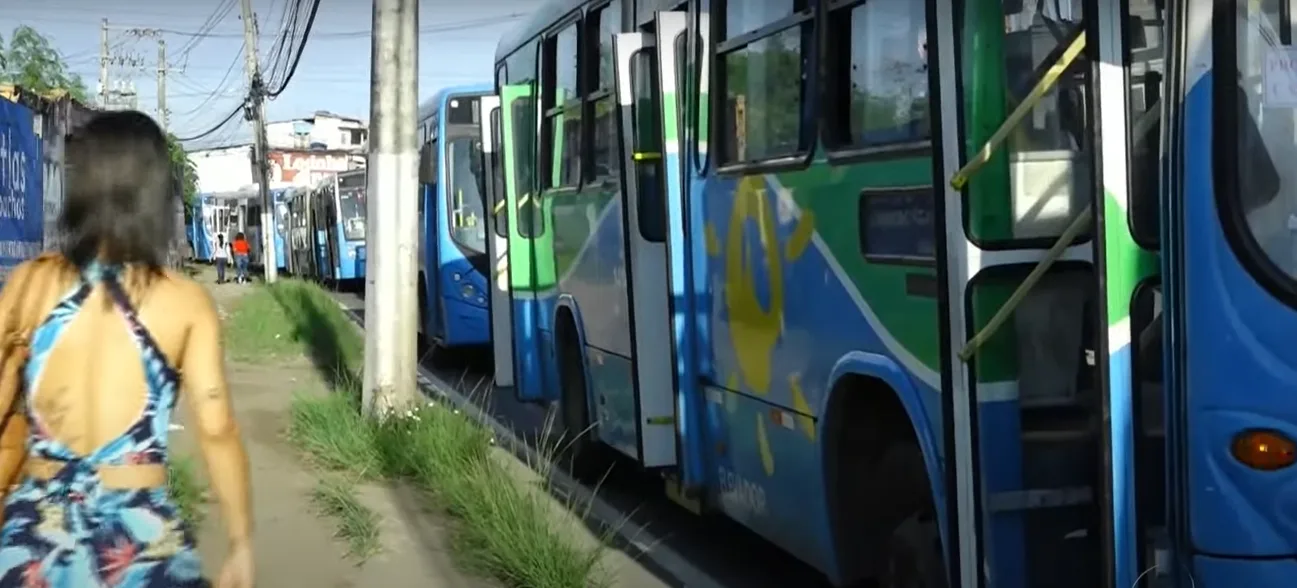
[(357, 524), (292, 318), (503, 528), (187, 491)]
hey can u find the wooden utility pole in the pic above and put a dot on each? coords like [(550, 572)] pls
[(391, 312), (256, 112)]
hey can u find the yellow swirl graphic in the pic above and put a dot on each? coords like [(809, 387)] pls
[(753, 329)]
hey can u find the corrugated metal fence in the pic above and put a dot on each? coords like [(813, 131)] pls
[(32, 133)]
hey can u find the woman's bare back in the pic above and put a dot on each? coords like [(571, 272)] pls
[(92, 387)]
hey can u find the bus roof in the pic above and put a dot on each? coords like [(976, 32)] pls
[(432, 105), (554, 11), (549, 13)]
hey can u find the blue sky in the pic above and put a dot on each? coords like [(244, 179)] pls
[(456, 46)]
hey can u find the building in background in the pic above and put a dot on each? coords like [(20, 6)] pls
[(229, 169), (324, 131)]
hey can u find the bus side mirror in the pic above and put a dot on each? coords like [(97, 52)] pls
[(427, 166)]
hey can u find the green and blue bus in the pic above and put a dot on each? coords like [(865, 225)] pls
[(884, 282)]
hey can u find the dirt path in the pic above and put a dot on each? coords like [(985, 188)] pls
[(294, 546)]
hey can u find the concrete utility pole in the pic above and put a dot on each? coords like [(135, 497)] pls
[(103, 64), (162, 84), (391, 315), (256, 112)]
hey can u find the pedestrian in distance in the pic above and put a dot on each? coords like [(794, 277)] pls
[(241, 250), (221, 256), (96, 337)]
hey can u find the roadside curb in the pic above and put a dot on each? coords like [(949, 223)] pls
[(646, 543)]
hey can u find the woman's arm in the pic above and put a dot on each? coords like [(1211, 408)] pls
[(203, 366)]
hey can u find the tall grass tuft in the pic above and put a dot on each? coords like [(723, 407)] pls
[(502, 527)]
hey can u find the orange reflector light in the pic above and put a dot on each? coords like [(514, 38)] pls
[(1264, 449)]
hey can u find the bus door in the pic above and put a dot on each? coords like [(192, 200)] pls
[(1040, 273), (1230, 269), (527, 231), (497, 241), (650, 123)]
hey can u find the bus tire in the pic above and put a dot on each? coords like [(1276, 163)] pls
[(912, 555), (575, 441)]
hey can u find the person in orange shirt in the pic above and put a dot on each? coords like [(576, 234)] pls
[(241, 251)]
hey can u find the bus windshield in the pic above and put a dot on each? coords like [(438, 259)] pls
[(465, 194), (351, 204)]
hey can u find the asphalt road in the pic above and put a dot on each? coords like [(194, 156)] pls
[(723, 551)]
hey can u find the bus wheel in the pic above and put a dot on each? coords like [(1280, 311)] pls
[(575, 439), (912, 555)]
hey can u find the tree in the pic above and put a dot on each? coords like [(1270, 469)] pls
[(30, 61), (186, 172)]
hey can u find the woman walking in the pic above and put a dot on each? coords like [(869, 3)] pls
[(112, 330), (241, 250), (221, 256)]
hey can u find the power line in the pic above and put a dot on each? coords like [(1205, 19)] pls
[(215, 128), (301, 48), (282, 47), (438, 28), (222, 12)]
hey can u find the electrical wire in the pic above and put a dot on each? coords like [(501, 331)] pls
[(423, 30), (282, 46), (301, 48), (215, 128), (223, 11)]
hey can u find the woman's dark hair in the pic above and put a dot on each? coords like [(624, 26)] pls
[(120, 194), (239, 236)]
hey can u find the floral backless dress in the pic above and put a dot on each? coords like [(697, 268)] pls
[(72, 532)]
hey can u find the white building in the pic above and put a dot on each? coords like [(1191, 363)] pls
[(223, 169), (323, 131), (229, 169)]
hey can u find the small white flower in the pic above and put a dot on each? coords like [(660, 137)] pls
[(456, 411), (492, 441)]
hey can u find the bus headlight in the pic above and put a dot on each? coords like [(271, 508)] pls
[(468, 291)]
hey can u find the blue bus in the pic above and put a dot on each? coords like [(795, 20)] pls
[(221, 213), (278, 220), (326, 229), (885, 281), (453, 262), (1229, 265)]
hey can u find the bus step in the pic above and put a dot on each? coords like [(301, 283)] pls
[(1018, 500), (677, 494)]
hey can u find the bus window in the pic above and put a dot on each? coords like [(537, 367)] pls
[(1145, 54), (521, 74), (562, 132), (650, 208), (878, 90), (432, 172), (500, 207), (464, 194), (351, 206), (1044, 178), (602, 97), (1260, 198), (764, 82)]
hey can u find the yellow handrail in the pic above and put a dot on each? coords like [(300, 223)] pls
[(1010, 305), (960, 179)]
